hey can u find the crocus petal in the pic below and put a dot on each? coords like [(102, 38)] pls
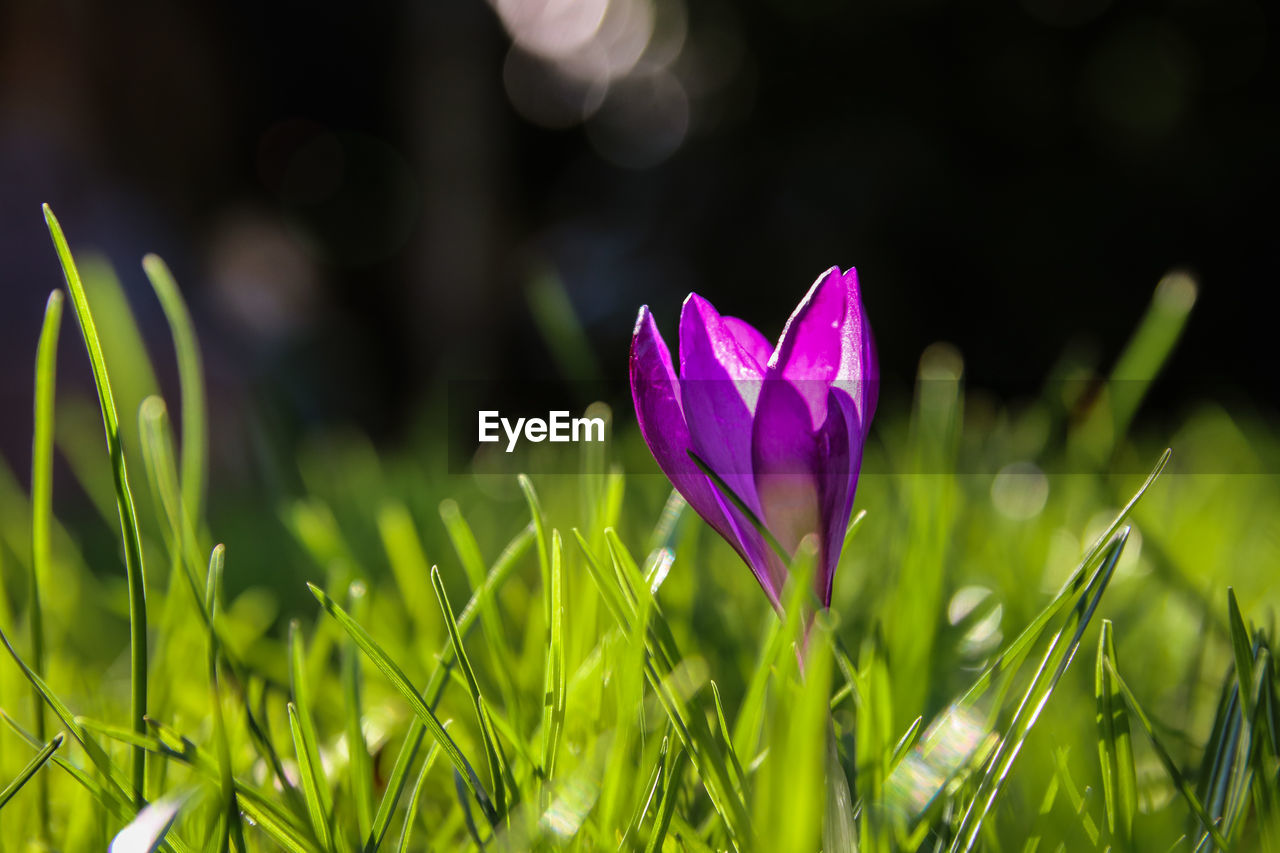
[(827, 341), (840, 460), (749, 338), (655, 391), (719, 385), (784, 461)]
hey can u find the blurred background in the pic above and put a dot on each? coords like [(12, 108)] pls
[(362, 206)]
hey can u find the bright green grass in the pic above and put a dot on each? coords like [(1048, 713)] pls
[(1014, 662)]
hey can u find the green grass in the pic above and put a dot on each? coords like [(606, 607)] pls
[(577, 662)]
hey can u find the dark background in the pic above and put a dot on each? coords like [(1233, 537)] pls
[(355, 198)]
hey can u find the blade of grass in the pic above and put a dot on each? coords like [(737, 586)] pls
[(1079, 803), (406, 834), (499, 772), (670, 795), (554, 677), (1241, 649), (1057, 658), (690, 724), (34, 765), (230, 819), (171, 745), (313, 784), (134, 572), (300, 689), (116, 780), (408, 563), (739, 777), (1170, 766), (540, 530), (652, 788), (1115, 750), (500, 651), (116, 803), (360, 772), (191, 381), (401, 682), (502, 569), (41, 515), (1012, 656)]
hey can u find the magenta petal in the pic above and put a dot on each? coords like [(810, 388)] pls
[(785, 458), (828, 341), (840, 460), (655, 391), (749, 338), (719, 384)]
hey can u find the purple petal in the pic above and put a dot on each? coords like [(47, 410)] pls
[(749, 338), (840, 459), (655, 391), (719, 385), (828, 341), (784, 458)]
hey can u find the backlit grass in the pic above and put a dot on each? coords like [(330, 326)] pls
[(1046, 633)]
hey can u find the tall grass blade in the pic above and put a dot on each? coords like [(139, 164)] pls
[(540, 530), (554, 676), (124, 500), (195, 452), (360, 770), (41, 518), (230, 820)]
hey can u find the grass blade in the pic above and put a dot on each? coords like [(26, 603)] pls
[(15, 785), (502, 569), (1115, 749), (401, 682), (360, 771), (191, 380), (1057, 658), (670, 794), (115, 779), (1011, 657), (231, 814), (313, 784), (554, 676), (303, 703), (540, 530), (491, 622), (406, 834), (124, 501), (41, 516), (1170, 766), (499, 772)]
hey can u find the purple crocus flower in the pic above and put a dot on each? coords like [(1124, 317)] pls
[(783, 427)]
